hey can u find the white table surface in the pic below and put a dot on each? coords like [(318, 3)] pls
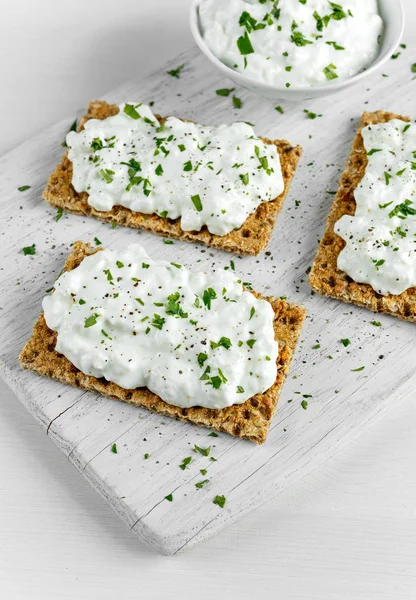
[(347, 531)]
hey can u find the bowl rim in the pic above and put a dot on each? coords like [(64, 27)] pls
[(242, 79)]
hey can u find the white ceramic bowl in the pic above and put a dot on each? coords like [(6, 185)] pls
[(392, 13)]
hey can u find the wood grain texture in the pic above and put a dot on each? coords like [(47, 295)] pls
[(342, 403)]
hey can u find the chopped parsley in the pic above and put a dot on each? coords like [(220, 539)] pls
[(196, 201), (207, 296), (114, 448), (220, 501), (225, 91), (169, 497), (244, 44), (237, 103), (330, 73), (29, 250), (224, 342), (201, 484), (91, 320), (185, 463), (23, 188), (131, 111), (311, 115), (345, 342), (158, 321), (97, 241), (176, 72), (203, 451)]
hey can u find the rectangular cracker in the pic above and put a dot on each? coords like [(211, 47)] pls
[(325, 277), (250, 420), (251, 238)]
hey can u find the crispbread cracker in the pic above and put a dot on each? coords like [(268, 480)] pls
[(250, 420), (325, 277), (251, 238)]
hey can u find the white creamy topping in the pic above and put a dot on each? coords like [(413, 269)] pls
[(381, 236), (194, 339), (213, 176), (293, 42)]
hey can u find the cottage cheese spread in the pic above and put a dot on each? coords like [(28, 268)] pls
[(381, 236), (213, 176), (194, 339)]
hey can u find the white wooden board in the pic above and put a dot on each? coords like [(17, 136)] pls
[(343, 402)]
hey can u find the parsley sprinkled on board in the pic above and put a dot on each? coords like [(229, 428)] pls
[(237, 103), (225, 91), (203, 471), (311, 115), (345, 342), (376, 323), (169, 497), (213, 434), (59, 213), (201, 484), (250, 343), (244, 178), (252, 312), (220, 501), (185, 462), (23, 188), (114, 448), (358, 370), (279, 109), (373, 151), (203, 451), (240, 389), (176, 72), (97, 241), (146, 456), (304, 404), (168, 241), (29, 250)]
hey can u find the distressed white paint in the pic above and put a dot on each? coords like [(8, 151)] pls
[(85, 426)]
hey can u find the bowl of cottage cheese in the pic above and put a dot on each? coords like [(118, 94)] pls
[(297, 49)]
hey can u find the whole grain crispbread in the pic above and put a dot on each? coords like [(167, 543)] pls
[(325, 277), (250, 420), (251, 238)]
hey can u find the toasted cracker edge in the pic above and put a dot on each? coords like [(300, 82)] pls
[(325, 277), (250, 420), (251, 238)]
